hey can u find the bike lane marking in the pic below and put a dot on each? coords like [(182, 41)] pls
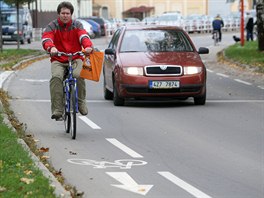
[(89, 122), (124, 148), (128, 183), (184, 185)]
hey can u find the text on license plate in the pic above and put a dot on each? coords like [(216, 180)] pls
[(164, 84)]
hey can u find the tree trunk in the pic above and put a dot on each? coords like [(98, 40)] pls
[(260, 24)]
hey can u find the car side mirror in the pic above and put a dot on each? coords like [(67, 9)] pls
[(203, 50), (110, 51), (26, 23)]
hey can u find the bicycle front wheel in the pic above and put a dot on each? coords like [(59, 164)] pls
[(67, 115), (73, 111)]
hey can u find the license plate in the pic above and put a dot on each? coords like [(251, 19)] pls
[(169, 84), (6, 36)]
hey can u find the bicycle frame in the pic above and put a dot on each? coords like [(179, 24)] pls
[(71, 101), (69, 80)]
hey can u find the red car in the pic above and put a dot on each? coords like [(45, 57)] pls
[(153, 61)]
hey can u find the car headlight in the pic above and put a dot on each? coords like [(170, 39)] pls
[(135, 71), (192, 70)]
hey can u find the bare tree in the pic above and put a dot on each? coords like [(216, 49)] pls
[(260, 24)]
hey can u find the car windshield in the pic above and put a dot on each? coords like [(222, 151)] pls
[(10, 18), (155, 41)]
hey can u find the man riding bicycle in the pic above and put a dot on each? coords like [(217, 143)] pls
[(65, 35), (217, 26)]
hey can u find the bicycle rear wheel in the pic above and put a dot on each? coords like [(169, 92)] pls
[(73, 111)]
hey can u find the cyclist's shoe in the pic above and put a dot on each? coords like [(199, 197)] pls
[(57, 116), (83, 109)]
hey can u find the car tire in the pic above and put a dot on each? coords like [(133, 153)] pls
[(28, 40), (118, 101), (201, 99), (108, 95)]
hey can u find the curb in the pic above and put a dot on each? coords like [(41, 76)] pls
[(59, 190)]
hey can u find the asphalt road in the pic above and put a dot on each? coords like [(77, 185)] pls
[(151, 148)]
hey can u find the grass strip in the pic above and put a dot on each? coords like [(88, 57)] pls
[(19, 177), (10, 57), (248, 55)]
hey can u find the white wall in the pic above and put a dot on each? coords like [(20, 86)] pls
[(51, 5)]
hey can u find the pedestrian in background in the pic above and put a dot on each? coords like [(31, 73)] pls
[(249, 27)]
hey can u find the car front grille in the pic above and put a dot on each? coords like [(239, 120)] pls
[(163, 70)]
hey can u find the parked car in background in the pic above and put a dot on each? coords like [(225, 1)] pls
[(96, 27), (153, 61), (101, 22), (171, 18), (88, 27), (131, 21), (149, 20), (9, 25)]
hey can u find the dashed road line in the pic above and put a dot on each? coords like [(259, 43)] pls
[(124, 148), (184, 185), (243, 82), (222, 75), (89, 122)]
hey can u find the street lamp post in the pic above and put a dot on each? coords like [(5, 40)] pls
[(242, 23)]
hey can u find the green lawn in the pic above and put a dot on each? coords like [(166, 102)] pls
[(19, 177), (248, 54)]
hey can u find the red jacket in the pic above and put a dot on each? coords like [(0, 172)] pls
[(69, 38)]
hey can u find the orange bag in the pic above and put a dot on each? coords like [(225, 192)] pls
[(92, 66)]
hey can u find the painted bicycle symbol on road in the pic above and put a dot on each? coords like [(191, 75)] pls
[(122, 163)]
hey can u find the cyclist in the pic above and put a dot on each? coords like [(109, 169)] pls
[(217, 25), (64, 34)]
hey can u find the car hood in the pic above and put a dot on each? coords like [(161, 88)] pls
[(157, 58), (8, 29)]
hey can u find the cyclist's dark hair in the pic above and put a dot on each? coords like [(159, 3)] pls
[(65, 4)]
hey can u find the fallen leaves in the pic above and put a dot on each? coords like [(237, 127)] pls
[(27, 180), (44, 150), (2, 189)]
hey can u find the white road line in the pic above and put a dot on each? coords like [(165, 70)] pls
[(241, 81), (36, 100), (223, 75), (34, 80), (261, 87), (124, 148), (98, 101), (89, 122), (190, 189), (209, 70)]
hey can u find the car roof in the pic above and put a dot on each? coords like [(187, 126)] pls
[(154, 26)]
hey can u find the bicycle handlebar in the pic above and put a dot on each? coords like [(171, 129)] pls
[(68, 54)]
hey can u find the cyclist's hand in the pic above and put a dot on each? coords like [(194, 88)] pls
[(87, 50), (53, 51)]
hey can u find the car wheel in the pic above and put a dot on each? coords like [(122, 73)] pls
[(108, 95), (118, 101), (201, 99), (28, 40)]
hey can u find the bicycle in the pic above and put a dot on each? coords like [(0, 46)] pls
[(70, 96), (216, 37)]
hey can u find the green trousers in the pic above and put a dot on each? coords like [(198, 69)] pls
[(56, 84)]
